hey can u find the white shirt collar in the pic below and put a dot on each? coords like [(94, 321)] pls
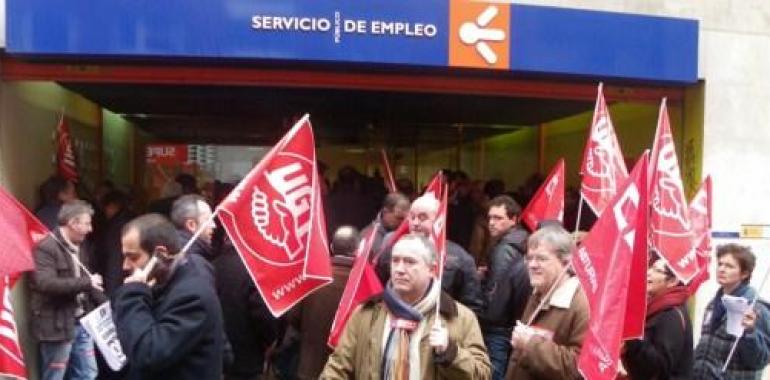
[(563, 295)]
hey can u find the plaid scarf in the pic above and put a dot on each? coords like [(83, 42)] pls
[(403, 328)]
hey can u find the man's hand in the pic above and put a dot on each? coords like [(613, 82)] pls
[(137, 276), (97, 282), (439, 338), (521, 335)]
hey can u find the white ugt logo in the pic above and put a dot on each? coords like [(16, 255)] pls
[(477, 33)]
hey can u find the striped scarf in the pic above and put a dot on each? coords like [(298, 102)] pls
[(403, 328)]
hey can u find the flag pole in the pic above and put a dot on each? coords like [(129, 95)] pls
[(549, 293), (751, 306), (579, 213)]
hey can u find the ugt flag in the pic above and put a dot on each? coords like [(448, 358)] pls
[(11, 358), (700, 216), (603, 170), (21, 231), (670, 228), (608, 264), (276, 222), (66, 166), (362, 284), (548, 201)]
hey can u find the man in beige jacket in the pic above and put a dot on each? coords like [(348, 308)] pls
[(558, 310), (395, 335)]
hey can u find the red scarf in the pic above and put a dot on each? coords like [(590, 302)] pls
[(670, 297)]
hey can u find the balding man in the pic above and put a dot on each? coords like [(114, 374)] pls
[(459, 279), (312, 320)]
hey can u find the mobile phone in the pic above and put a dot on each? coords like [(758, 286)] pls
[(149, 267)]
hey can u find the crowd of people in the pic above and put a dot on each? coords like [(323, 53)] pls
[(506, 306)]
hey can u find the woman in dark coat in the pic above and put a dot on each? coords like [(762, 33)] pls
[(666, 351)]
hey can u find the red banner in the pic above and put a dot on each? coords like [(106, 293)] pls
[(65, 153), (700, 215), (276, 222), (607, 264), (670, 228), (548, 201), (603, 169), (11, 358), (362, 284), (166, 154), (21, 231)]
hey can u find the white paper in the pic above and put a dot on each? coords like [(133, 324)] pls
[(98, 323), (736, 308)]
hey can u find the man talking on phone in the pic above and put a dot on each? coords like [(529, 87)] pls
[(168, 318)]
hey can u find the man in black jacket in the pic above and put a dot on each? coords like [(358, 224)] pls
[(167, 316), (62, 290), (459, 279), (506, 284), (395, 207), (189, 213), (250, 327)]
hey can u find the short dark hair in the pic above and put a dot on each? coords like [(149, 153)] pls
[(392, 200), (511, 207), (742, 254), (154, 230), (115, 197), (50, 189)]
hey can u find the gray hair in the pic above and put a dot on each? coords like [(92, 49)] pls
[(427, 202), (186, 207), (417, 243), (73, 209), (557, 238)]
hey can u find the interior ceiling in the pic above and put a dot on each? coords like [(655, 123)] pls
[(260, 115)]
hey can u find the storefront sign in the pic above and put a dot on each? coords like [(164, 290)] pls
[(433, 33)]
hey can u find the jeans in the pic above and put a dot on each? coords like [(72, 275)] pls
[(74, 359), (499, 348)]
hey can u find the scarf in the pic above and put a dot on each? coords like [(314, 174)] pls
[(404, 326), (719, 310), (670, 297)]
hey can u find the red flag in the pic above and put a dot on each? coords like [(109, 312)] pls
[(65, 154), (700, 215), (438, 232), (391, 181), (604, 264), (362, 284), (670, 227), (21, 231), (275, 219), (603, 169), (11, 358), (548, 201)]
